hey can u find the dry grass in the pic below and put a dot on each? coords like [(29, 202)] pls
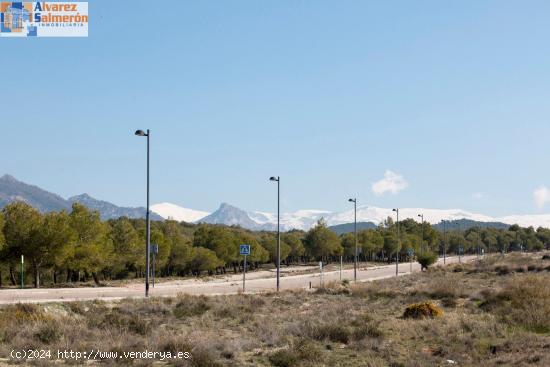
[(490, 318), (524, 301)]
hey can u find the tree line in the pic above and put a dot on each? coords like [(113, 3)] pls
[(65, 247)]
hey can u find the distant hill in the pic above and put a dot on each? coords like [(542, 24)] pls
[(12, 190), (349, 227), (459, 224), (109, 210), (463, 224)]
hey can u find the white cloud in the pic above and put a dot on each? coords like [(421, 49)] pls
[(541, 196), (392, 182)]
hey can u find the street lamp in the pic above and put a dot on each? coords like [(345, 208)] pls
[(354, 201), (147, 218), (278, 179), (422, 241), (398, 245), (444, 240), (478, 242)]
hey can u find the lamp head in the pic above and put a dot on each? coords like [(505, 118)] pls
[(352, 200), (140, 133), (394, 210), (273, 178)]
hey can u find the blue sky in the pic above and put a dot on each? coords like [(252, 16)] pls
[(452, 97)]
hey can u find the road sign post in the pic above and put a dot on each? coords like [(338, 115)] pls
[(22, 270), (154, 251), (245, 251), (410, 252), (244, 274), (340, 267), (321, 274)]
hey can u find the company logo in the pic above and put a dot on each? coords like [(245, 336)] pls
[(43, 19)]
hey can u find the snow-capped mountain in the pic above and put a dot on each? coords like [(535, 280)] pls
[(301, 219), (304, 219), (178, 213), (254, 220), (233, 216)]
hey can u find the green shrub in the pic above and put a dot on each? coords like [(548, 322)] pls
[(449, 302), (233, 311), (426, 259), (422, 310), (447, 286), (191, 306), (283, 358), (25, 312), (48, 333), (335, 288), (307, 350), (368, 329), (121, 319), (502, 270), (76, 307), (330, 331), (204, 357), (174, 343), (139, 326)]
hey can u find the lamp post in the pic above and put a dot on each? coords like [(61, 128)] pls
[(22, 271), (398, 245), (444, 240), (147, 218), (460, 237), (354, 201), (278, 179), (422, 241), (478, 242)]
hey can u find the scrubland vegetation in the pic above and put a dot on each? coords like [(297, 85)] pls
[(69, 249), (495, 312)]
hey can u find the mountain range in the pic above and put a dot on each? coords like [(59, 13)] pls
[(12, 189), (341, 222)]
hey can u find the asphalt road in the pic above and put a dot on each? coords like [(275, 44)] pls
[(256, 282)]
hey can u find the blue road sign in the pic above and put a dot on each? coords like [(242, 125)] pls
[(410, 252), (245, 249)]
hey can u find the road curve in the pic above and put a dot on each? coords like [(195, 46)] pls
[(229, 285)]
